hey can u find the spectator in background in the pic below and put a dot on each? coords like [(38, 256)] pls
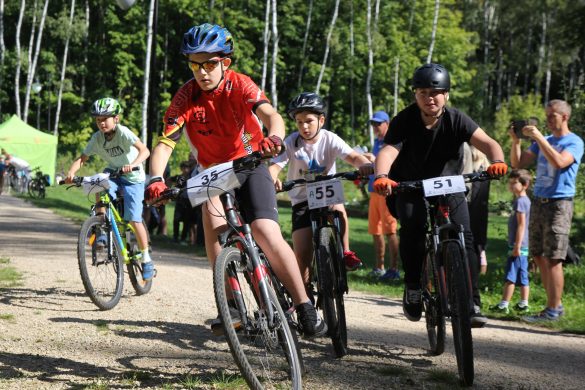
[(517, 264), (557, 158), (2, 168), (477, 202), (380, 222)]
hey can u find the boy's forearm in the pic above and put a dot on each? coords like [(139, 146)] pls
[(159, 158)]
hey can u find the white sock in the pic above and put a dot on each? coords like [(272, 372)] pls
[(503, 304), (146, 256)]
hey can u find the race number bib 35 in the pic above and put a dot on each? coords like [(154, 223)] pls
[(325, 193), (443, 185), (212, 182)]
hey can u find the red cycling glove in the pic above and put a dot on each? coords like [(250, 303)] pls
[(269, 144), (498, 168), (154, 191), (381, 184)]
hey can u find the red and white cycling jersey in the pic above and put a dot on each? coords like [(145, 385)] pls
[(220, 125)]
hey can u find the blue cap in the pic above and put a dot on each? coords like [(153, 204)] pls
[(380, 116)]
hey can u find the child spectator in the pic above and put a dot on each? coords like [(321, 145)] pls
[(313, 149), (517, 264)]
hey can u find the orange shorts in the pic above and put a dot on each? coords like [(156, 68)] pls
[(380, 221)]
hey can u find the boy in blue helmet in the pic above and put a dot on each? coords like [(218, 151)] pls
[(218, 110)]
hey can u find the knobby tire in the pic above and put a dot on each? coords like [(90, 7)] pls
[(460, 302), (328, 260), (102, 274), (134, 267), (434, 316), (267, 357)]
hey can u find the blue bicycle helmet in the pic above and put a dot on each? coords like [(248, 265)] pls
[(207, 38)]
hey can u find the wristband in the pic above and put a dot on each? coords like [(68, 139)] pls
[(155, 179), (381, 175), (496, 161)]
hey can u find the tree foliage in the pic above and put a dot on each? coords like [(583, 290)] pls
[(504, 57)]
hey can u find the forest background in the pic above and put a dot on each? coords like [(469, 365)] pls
[(506, 58)]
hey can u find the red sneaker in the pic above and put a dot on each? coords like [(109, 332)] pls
[(352, 262)]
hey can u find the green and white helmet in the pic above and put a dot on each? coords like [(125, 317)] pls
[(106, 107)]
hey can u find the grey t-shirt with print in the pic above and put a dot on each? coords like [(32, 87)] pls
[(117, 152)]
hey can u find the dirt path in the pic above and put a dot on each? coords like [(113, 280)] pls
[(53, 337)]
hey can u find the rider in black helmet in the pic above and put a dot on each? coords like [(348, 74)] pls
[(425, 140)]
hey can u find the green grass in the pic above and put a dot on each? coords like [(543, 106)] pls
[(9, 276), (75, 205)]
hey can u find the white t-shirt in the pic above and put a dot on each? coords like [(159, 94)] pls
[(315, 158), (117, 152), (19, 164)]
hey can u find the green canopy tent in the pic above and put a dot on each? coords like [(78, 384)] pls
[(37, 148)]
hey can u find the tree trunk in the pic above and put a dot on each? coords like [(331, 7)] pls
[(147, 71), (35, 59), (2, 48), (63, 69), (396, 78), (304, 49), (541, 55), (370, 68), (327, 45), (351, 73), (275, 38), (434, 32), (266, 43), (85, 50), (548, 74), (18, 60)]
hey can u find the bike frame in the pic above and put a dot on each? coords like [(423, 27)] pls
[(240, 235)]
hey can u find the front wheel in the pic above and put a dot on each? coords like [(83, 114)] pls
[(100, 268), (263, 347), (460, 303), (36, 189), (330, 292)]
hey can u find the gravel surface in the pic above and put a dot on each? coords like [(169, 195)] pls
[(53, 337)]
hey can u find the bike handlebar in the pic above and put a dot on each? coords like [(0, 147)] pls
[(353, 175), (78, 180), (406, 186)]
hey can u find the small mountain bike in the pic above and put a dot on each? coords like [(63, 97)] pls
[(262, 344), (14, 180), (329, 273), (101, 264), (37, 186), (445, 278)]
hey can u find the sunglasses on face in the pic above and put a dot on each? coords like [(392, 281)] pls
[(208, 66), (374, 123)]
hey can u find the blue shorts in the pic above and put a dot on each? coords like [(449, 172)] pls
[(517, 270), (133, 197)]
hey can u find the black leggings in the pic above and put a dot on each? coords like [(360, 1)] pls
[(410, 210)]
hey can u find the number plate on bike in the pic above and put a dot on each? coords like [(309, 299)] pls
[(325, 193), (212, 182), (443, 185)]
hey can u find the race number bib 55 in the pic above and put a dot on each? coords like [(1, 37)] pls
[(443, 185), (325, 193)]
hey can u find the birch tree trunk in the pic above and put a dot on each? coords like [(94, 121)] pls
[(434, 32), (266, 43), (351, 73), (547, 73), (370, 68), (304, 49), (18, 60), (85, 50), (396, 78), (541, 54), (327, 46), (63, 69), (35, 59), (275, 38), (2, 48), (146, 84)]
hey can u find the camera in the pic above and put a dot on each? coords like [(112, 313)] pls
[(517, 125)]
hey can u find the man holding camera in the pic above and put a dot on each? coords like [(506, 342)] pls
[(557, 159)]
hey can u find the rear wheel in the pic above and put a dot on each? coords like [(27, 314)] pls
[(134, 267), (460, 302), (101, 270), (261, 343), (36, 189), (434, 316), (330, 291)]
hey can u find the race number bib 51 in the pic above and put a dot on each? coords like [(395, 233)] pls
[(212, 182), (325, 193), (443, 185)]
